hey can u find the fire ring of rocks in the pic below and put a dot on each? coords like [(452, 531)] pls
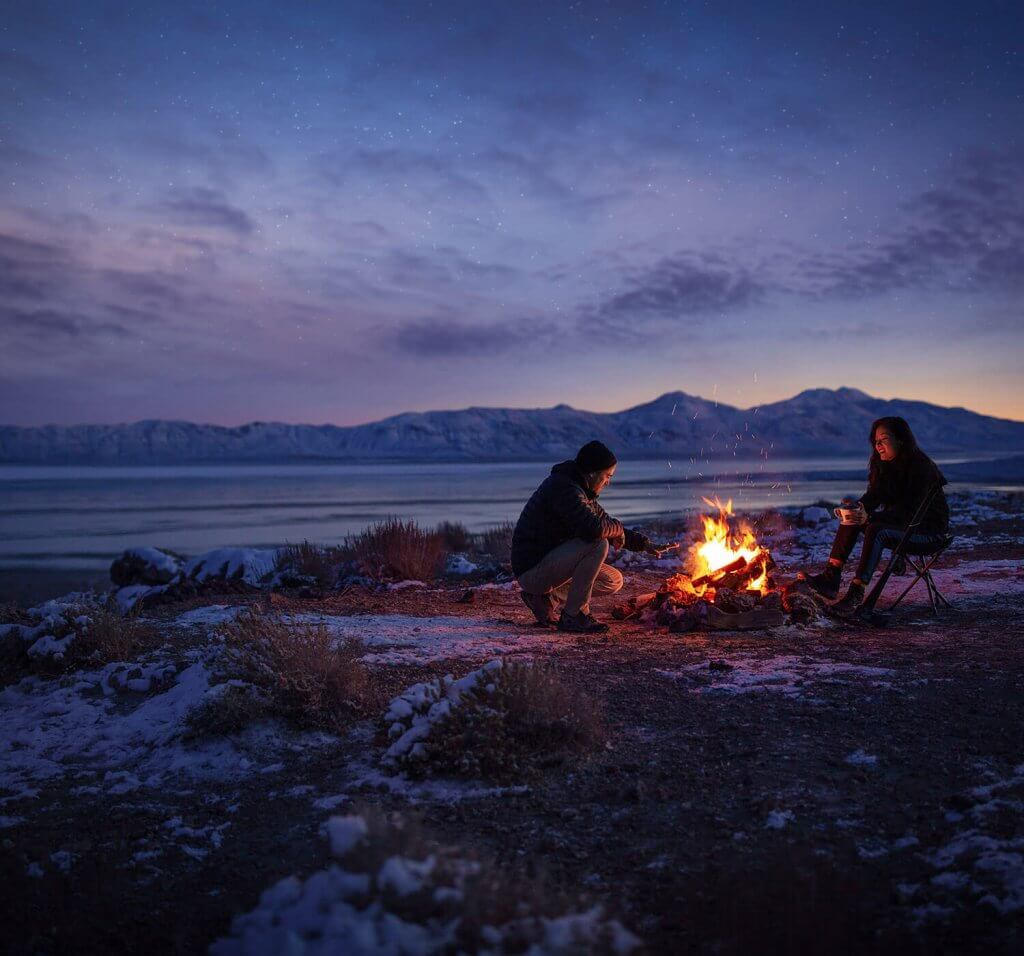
[(729, 585)]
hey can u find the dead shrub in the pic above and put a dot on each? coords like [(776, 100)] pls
[(497, 541), (110, 636), (509, 723), (455, 536), (402, 550), (316, 561), (98, 635), (229, 712), (10, 613), (305, 675), (15, 662)]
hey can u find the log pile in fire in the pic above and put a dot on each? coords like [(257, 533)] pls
[(728, 584)]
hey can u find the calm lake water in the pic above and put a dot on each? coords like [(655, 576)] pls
[(74, 518)]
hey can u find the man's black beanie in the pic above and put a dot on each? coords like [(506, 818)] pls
[(594, 456)]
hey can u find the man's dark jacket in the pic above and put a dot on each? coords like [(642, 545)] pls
[(897, 489), (563, 507)]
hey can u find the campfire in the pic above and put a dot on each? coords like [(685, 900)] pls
[(727, 582)]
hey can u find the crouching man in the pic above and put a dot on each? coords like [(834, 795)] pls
[(561, 541)]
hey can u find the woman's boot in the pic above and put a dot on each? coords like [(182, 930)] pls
[(827, 583), (852, 600)]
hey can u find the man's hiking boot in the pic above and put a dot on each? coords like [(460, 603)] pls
[(826, 583), (581, 624), (543, 607), (852, 600)]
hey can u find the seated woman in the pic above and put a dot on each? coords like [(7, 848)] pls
[(899, 477)]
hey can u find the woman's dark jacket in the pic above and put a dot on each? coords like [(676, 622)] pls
[(563, 507), (897, 489)]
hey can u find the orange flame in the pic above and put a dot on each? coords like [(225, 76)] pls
[(722, 546)]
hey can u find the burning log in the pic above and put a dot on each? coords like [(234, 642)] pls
[(740, 564), (633, 606), (727, 586)]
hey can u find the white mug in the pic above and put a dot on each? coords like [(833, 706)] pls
[(850, 512)]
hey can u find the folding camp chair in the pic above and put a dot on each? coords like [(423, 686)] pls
[(922, 570), (920, 559)]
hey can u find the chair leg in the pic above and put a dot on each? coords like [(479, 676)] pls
[(938, 595), (923, 573), (933, 591), (906, 591)]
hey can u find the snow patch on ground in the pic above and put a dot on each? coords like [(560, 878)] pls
[(212, 615), (252, 565), (401, 639), (779, 819), (785, 674), (96, 727), (414, 714), (362, 912), (982, 864)]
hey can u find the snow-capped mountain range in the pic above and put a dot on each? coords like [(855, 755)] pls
[(817, 422)]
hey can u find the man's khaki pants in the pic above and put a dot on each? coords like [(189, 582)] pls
[(573, 572)]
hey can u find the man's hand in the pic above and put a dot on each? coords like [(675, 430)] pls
[(637, 541), (618, 541)]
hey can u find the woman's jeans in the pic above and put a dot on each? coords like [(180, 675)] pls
[(877, 537)]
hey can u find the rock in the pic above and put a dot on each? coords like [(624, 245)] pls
[(735, 602), (145, 566), (244, 566), (803, 603), (772, 600), (813, 516)]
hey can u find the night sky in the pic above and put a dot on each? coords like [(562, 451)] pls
[(244, 211)]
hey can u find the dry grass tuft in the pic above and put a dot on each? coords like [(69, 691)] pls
[(497, 542), (320, 562), (455, 536), (229, 712), (14, 660), (99, 635), (110, 636), (11, 613), (396, 549), (303, 673)]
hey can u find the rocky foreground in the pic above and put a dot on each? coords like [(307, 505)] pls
[(815, 787)]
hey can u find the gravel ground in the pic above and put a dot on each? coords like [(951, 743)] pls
[(822, 789)]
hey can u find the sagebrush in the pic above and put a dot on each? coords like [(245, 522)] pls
[(301, 671), (399, 550), (497, 541), (504, 722), (316, 561), (112, 636), (455, 536)]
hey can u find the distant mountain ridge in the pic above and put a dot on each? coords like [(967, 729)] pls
[(817, 422)]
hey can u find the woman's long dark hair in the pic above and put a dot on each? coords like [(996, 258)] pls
[(900, 430)]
